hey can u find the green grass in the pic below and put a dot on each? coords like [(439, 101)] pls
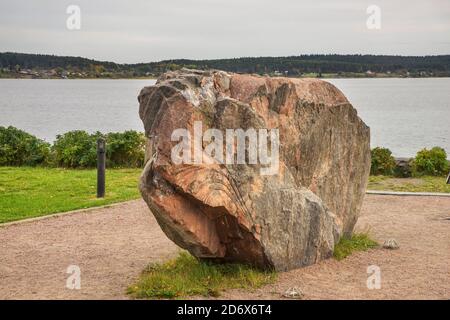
[(358, 242), (187, 276), (31, 192), (420, 184)]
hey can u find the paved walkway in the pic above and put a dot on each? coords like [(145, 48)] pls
[(112, 245)]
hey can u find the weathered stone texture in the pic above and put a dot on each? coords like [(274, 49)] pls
[(231, 212)]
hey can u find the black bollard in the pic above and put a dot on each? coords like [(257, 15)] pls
[(101, 166)]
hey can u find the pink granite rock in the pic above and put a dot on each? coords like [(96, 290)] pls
[(231, 212)]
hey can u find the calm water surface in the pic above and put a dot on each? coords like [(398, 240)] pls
[(46, 108), (404, 115)]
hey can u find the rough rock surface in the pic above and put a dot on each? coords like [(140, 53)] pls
[(232, 212)]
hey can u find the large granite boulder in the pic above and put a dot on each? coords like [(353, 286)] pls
[(277, 212)]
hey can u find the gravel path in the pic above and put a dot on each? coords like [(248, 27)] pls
[(112, 245)]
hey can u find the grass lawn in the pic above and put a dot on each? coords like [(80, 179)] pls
[(186, 276), (31, 192), (421, 184)]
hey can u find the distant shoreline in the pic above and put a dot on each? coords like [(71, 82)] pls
[(42, 66), (330, 76), (92, 78)]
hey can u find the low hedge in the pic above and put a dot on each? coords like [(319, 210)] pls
[(19, 148), (431, 162), (383, 163), (73, 149), (78, 149), (125, 149)]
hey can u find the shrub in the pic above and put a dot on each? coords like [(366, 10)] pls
[(382, 162), (18, 148), (125, 149), (79, 149), (75, 149), (430, 162)]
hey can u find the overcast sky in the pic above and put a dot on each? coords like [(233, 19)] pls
[(150, 30)]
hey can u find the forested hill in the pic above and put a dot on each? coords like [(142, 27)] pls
[(37, 65)]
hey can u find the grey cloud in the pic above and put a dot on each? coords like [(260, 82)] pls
[(143, 30)]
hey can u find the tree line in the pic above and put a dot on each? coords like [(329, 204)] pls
[(302, 65)]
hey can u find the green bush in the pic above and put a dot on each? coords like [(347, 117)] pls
[(18, 148), (430, 162), (125, 149), (383, 163), (75, 149), (78, 149)]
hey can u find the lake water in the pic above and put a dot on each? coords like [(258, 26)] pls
[(404, 115)]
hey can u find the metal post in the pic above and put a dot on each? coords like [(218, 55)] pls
[(448, 178), (101, 166)]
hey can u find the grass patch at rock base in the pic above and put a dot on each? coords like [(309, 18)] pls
[(187, 276), (357, 242)]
